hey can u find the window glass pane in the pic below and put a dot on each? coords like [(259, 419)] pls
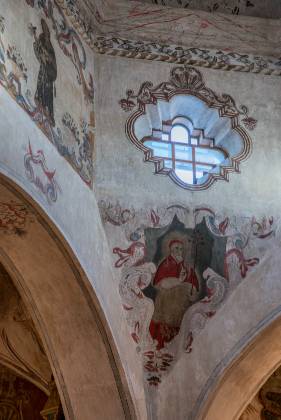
[(168, 164), (165, 136), (207, 155), (185, 172), (179, 134), (201, 170), (160, 149), (183, 152), (194, 141)]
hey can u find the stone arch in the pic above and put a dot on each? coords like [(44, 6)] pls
[(246, 375), (66, 313)]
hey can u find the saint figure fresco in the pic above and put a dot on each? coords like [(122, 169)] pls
[(45, 54), (179, 256), (175, 281), (175, 275)]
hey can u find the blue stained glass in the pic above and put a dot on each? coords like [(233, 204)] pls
[(160, 149)]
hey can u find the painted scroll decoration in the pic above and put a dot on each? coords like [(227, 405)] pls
[(176, 270), (155, 105), (37, 173), (41, 95)]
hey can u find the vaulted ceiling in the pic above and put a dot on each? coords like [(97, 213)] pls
[(259, 8)]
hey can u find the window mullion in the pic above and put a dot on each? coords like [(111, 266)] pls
[(173, 157), (193, 165)]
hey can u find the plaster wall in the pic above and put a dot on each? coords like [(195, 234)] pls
[(123, 179)]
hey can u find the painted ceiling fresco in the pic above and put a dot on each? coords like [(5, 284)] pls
[(258, 8)]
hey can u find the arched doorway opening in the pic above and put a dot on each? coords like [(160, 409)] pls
[(27, 387), (64, 309)]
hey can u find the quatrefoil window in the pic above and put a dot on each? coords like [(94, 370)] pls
[(190, 156)]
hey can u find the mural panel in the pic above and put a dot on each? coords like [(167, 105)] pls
[(177, 266), (45, 67)]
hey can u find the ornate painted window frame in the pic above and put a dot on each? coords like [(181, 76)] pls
[(187, 80)]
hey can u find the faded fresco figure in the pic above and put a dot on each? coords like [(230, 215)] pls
[(44, 51), (176, 284)]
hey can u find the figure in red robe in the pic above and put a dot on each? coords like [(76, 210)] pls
[(175, 284)]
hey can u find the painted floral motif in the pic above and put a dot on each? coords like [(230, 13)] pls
[(83, 137), (218, 59), (14, 218), (176, 270), (189, 79)]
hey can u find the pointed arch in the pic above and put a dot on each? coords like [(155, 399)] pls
[(67, 315), (247, 373)]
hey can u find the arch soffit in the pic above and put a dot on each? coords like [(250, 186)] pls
[(246, 374), (110, 362)]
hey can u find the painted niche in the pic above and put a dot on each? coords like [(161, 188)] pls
[(190, 133)]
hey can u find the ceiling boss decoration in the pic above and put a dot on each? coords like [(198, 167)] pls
[(190, 133)]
